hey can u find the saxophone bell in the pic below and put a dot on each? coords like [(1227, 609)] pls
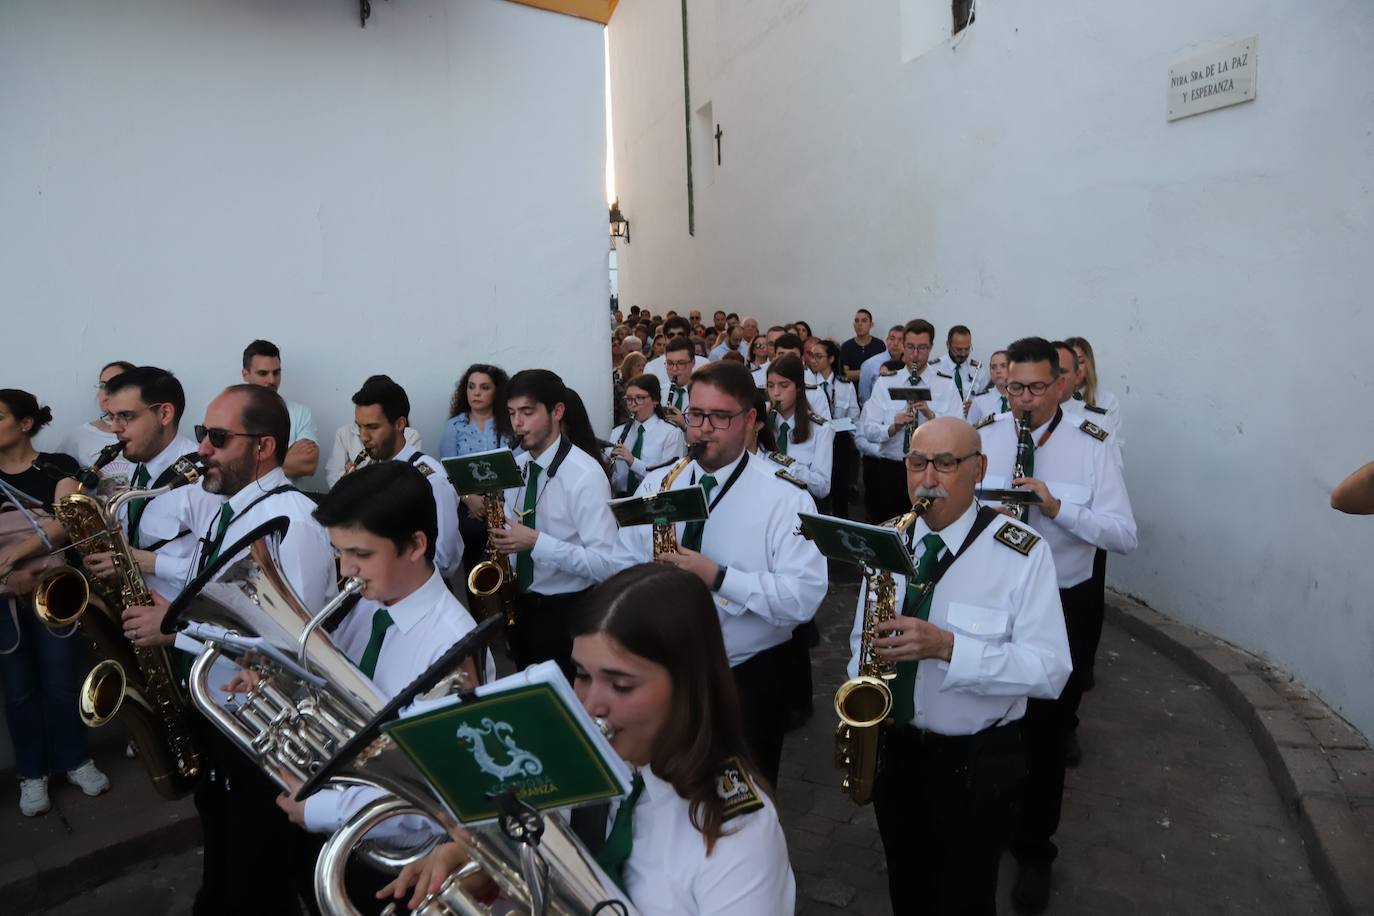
[(61, 597)]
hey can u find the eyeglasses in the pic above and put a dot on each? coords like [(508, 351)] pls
[(920, 348), (944, 463), (125, 417), (218, 437), (636, 398), (678, 363), (696, 418), (1016, 389)]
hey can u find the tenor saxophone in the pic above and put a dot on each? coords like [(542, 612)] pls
[(138, 685), (665, 536), (863, 702)]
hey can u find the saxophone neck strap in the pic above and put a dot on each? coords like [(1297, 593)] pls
[(985, 517)]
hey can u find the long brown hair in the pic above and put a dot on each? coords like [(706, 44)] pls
[(499, 415), (790, 368), (667, 616)]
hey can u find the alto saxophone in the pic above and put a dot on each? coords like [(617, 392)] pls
[(665, 536), (136, 684), (493, 576), (863, 702)]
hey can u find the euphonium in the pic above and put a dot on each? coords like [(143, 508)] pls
[(136, 684), (493, 576), (665, 536), (863, 702)]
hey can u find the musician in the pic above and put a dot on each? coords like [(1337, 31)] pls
[(643, 441), (994, 399), (966, 373), (1074, 470), (823, 356), (699, 833), (986, 634), (1097, 404), (241, 445), (801, 435), (381, 409), (37, 668), (890, 423), (561, 530), (348, 444), (679, 363), (789, 344), (767, 579), (86, 441), (675, 328), (262, 366)]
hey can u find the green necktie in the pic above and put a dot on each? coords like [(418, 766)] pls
[(917, 604), (226, 514), (632, 479), (691, 535), (825, 386), (675, 395), (1005, 405), (381, 622), (136, 506), (524, 563), (913, 380), (616, 852), (783, 430), (958, 381), (1078, 395)]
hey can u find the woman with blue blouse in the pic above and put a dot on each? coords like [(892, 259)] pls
[(478, 421)]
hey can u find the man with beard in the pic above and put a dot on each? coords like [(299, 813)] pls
[(979, 631), (253, 855)]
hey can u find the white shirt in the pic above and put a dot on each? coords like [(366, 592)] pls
[(658, 366), (425, 625), (662, 442), (448, 542), (841, 396), (987, 404), (820, 405), (670, 874), (573, 518), (1085, 475), (670, 400), (776, 578), (973, 373), (347, 445), (1106, 413), (161, 520), (85, 443), (879, 410), (812, 459), (1009, 639)]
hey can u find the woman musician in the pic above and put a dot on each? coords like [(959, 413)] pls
[(801, 435), (645, 439), (698, 833)]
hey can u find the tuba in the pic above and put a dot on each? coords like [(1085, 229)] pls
[(492, 578), (863, 702), (665, 536), (136, 684)]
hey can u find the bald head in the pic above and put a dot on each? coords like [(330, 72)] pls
[(946, 435), (951, 442)]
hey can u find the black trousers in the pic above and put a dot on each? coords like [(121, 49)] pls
[(542, 629), (256, 860), (841, 474), (1044, 730), (945, 807), (888, 496), (764, 687), (804, 639), (1094, 634)]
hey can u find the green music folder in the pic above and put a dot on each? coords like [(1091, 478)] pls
[(525, 732), (685, 505), (484, 472), (875, 546)]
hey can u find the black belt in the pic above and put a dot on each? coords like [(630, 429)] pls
[(905, 731), (536, 599)]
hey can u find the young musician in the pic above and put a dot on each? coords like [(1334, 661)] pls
[(698, 833), (643, 441), (823, 356), (678, 364), (348, 443), (801, 435), (994, 399), (767, 579), (381, 409), (561, 530)]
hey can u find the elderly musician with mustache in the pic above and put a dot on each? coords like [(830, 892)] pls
[(980, 630)]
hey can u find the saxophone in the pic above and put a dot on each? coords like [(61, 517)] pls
[(493, 576), (863, 702), (136, 684), (665, 536)]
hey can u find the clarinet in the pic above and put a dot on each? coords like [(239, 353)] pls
[(1023, 427)]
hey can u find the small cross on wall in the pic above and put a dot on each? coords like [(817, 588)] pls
[(719, 133)]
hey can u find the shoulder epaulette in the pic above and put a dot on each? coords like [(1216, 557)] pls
[(1092, 429), (779, 458), (1095, 409), (974, 362), (1017, 538), (812, 387), (945, 375), (817, 418), (989, 419), (736, 789), (415, 462), (794, 481), (935, 361)]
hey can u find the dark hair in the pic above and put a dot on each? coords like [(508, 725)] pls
[(993, 355), (790, 368), (1034, 350), (459, 402), (732, 355), (730, 377), (649, 384), (388, 395), (259, 348), (865, 311), (1064, 345), (767, 441), (699, 346), (155, 386), (804, 324), (677, 321), (919, 326), (123, 364), (787, 341), (896, 327), (678, 343), (546, 388), (390, 499), (577, 426), (24, 406), (720, 312), (666, 616), (265, 414), (832, 350), (957, 329)]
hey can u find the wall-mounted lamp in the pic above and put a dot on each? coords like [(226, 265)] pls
[(620, 226)]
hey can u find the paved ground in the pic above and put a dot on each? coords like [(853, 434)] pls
[(1172, 811)]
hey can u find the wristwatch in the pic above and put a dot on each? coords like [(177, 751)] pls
[(720, 578)]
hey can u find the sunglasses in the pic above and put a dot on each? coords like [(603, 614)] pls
[(219, 437)]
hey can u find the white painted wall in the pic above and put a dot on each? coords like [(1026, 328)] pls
[(1026, 181), (178, 178)]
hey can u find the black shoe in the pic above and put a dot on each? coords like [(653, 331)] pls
[(1031, 893), (1073, 751)]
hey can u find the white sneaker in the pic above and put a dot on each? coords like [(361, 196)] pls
[(89, 779), (33, 797)]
